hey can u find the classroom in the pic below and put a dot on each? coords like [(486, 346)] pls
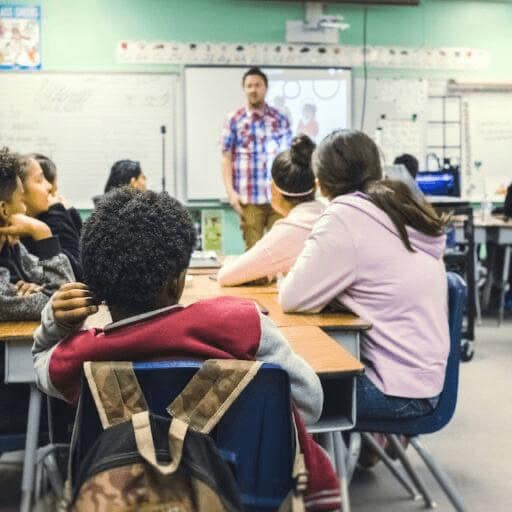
[(255, 255)]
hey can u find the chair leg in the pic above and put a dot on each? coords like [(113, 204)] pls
[(325, 441), (328, 442), (354, 449), (413, 475), (27, 481), (504, 283), (439, 475), (478, 306), (389, 464), (340, 456)]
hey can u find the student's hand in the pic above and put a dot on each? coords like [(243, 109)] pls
[(58, 199), (234, 201), (72, 304), (25, 289), (22, 225)]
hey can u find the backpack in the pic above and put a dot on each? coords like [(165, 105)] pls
[(149, 463)]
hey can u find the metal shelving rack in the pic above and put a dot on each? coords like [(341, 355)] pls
[(444, 122)]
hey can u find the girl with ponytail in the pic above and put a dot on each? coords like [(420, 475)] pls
[(379, 252), (293, 196)]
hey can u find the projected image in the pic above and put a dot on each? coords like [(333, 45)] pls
[(314, 107)]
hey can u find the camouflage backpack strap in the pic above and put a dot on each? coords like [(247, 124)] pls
[(116, 391), (212, 390), (146, 446), (294, 501)]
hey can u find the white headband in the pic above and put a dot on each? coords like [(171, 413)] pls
[(294, 194)]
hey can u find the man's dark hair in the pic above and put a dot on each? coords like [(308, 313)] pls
[(9, 172), (47, 166), (409, 162), (255, 71), (121, 173), (131, 244)]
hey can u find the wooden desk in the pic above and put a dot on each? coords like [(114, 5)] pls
[(322, 353), (202, 271), (497, 230), (202, 287), (335, 366), (339, 321), (17, 331)]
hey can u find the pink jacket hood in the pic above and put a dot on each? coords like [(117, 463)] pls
[(434, 246)]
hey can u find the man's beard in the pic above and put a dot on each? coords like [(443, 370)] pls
[(256, 103)]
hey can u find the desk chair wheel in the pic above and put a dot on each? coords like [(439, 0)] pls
[(467, 350)]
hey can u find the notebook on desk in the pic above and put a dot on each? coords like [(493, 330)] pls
[(204, 259)]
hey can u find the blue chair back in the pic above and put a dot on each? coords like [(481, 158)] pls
[(442, 414), (255, 435), (12, 442)]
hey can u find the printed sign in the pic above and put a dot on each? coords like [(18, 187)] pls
[(20, 36)]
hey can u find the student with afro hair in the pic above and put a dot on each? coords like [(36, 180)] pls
[(135, 251)]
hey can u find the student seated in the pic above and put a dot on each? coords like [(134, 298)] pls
[(136, 248), (124, 173), (50, 173), (26, 280), (50, 209), (409, 162), (293, 197), (379, 253)]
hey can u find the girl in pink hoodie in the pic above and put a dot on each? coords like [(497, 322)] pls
[(293, 196), (379, 252)]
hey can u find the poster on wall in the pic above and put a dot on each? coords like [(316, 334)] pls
[(20, 37), (211, 228)]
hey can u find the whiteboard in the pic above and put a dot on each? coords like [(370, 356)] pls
[(395, 115), (488, 140), (85, 122), (212, 93)]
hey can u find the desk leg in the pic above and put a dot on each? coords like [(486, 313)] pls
[(34, 416), (477, 295), (341, 455), (504, 281)]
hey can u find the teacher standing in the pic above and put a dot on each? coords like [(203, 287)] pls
[(252, 138)]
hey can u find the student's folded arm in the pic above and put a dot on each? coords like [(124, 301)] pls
[(52, 269), (46, 338), (266, 258), (15, 308), (325, 268), (305, 385)]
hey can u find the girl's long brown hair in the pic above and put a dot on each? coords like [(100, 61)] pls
[(348, 161)]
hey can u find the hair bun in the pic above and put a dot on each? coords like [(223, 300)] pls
[(301, 150)]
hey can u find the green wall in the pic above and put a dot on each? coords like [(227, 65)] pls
[(82, 35)]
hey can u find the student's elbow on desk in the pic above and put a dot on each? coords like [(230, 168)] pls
[(288, 301), (306, 390), (226, 277), (42, 371), (293, 303)]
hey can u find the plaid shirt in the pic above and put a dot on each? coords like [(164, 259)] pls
[(254, 138)]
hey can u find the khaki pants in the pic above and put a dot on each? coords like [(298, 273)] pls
[(254, 220)]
